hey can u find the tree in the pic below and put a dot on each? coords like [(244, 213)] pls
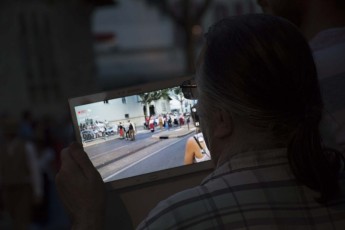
[(147, 98), (178, 95), (186, 14)]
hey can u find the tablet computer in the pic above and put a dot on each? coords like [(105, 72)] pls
[(138, 134)]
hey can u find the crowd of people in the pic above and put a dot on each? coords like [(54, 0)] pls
[(127, 130), (166, 121)]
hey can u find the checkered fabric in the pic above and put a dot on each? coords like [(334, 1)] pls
[(253, 190)]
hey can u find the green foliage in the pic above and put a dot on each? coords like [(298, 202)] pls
[(178, 94), (147, 98)]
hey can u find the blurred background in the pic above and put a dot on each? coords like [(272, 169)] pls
[(51, 50)]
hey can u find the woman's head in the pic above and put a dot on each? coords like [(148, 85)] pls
[(259, 70)]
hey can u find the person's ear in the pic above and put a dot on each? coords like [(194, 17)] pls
[(224, 124)]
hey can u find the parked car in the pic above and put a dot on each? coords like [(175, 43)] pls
[(110, 131), (87, 135)]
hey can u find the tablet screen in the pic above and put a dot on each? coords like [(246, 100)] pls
[(138, 131)]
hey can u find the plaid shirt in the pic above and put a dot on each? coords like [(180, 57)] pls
[(253, 190)]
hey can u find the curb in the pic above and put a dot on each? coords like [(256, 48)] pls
[(172, 135), (95, 141)]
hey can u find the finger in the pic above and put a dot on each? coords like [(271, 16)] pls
[(66, 176), (82, 160), (62, 189)]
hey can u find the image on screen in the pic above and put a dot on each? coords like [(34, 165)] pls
[(139, 134)]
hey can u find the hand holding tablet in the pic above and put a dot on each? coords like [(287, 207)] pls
[(81, 188)]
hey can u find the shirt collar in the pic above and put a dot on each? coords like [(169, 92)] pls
[(248, 160), (257, 158)]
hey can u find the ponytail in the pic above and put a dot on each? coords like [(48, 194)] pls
[(313, 166)]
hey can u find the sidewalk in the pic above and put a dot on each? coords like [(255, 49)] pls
[(108, 138), (174, 133), (165, 134)]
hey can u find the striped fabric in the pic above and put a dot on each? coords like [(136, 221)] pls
[(329, 54), (253, 190)]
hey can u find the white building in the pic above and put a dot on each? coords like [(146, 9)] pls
[(120, 110)]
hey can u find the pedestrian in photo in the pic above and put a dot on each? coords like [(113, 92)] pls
[(160, 122), (181, 120), (121, 131), (188, 121), (152, 124), (169, 122), (166, 124), (196, 150), (131, 131), (176, 122), (147, 121)]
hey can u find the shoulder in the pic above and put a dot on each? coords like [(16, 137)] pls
[(194, 208), (177, 211), (191, 142)]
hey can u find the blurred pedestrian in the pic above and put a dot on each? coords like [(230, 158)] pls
[(20, 176), (196, 150), (46, 159), (121, 130), (169, 122), (181, 120), (160, 121), (323, 24), (131, 131), (188, 121), (152, 124)]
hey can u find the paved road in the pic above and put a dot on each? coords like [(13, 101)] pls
[(117, 157), (165, 154)]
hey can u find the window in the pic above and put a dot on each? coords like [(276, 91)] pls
[(126, 115), (124, 101), (164, 107)]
